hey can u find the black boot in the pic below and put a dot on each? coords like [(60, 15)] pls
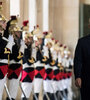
[(50, 96), (13, 99), (36, 95), (66, 92), (24, 98), (9, 99), (61, 95), (54, 96), (45, 97), (57, 95)]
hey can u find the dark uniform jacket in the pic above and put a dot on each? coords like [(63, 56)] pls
[(15, 65), (15, 53), (27, 55), (3, 55)]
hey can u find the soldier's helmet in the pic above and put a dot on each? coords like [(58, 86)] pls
[(37, 30), (2, 19), (16, 31), (14, 20), (25, 25), (12, 24)]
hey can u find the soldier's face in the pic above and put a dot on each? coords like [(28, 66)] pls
[(49, 45), (36, 43), (30, 40), (66, 56), (26, 40), (40, 41), (18, 34), (3, 24)]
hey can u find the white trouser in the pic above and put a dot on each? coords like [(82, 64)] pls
[(2, 82), (27, 89), (61, 85), (55, 86), (37, 84), (64, 83), (13, 85), (48, 87)]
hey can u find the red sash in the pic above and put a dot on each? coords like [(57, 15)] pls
[(57, 76), (4, 69), (17, 71), (30, 74), (50, 75), (60, 75), (70, 74), (41, 72)]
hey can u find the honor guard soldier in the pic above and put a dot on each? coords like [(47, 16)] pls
[(68, 68), (5, 49), (56, 76), (48, 89), (53, 64), (16, 55), (39, 64), (28, 67), (59, 65), (64, 80)]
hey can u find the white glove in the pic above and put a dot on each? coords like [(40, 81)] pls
[(59, 58), (23, 46), (22, 42), (54, 55), (45, 51), (34, 53), (10, 38), (5, 39), (10, 43)]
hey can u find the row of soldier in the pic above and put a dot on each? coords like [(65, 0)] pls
[(32, 60)]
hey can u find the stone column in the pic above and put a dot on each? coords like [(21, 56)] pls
[(32, 14), (45, 15), (39, 11), (14, 7), (6, 8), (24, 11)]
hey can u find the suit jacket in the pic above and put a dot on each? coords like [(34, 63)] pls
[(82, 60)]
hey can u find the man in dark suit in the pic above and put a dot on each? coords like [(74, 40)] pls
[(82, 67)]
